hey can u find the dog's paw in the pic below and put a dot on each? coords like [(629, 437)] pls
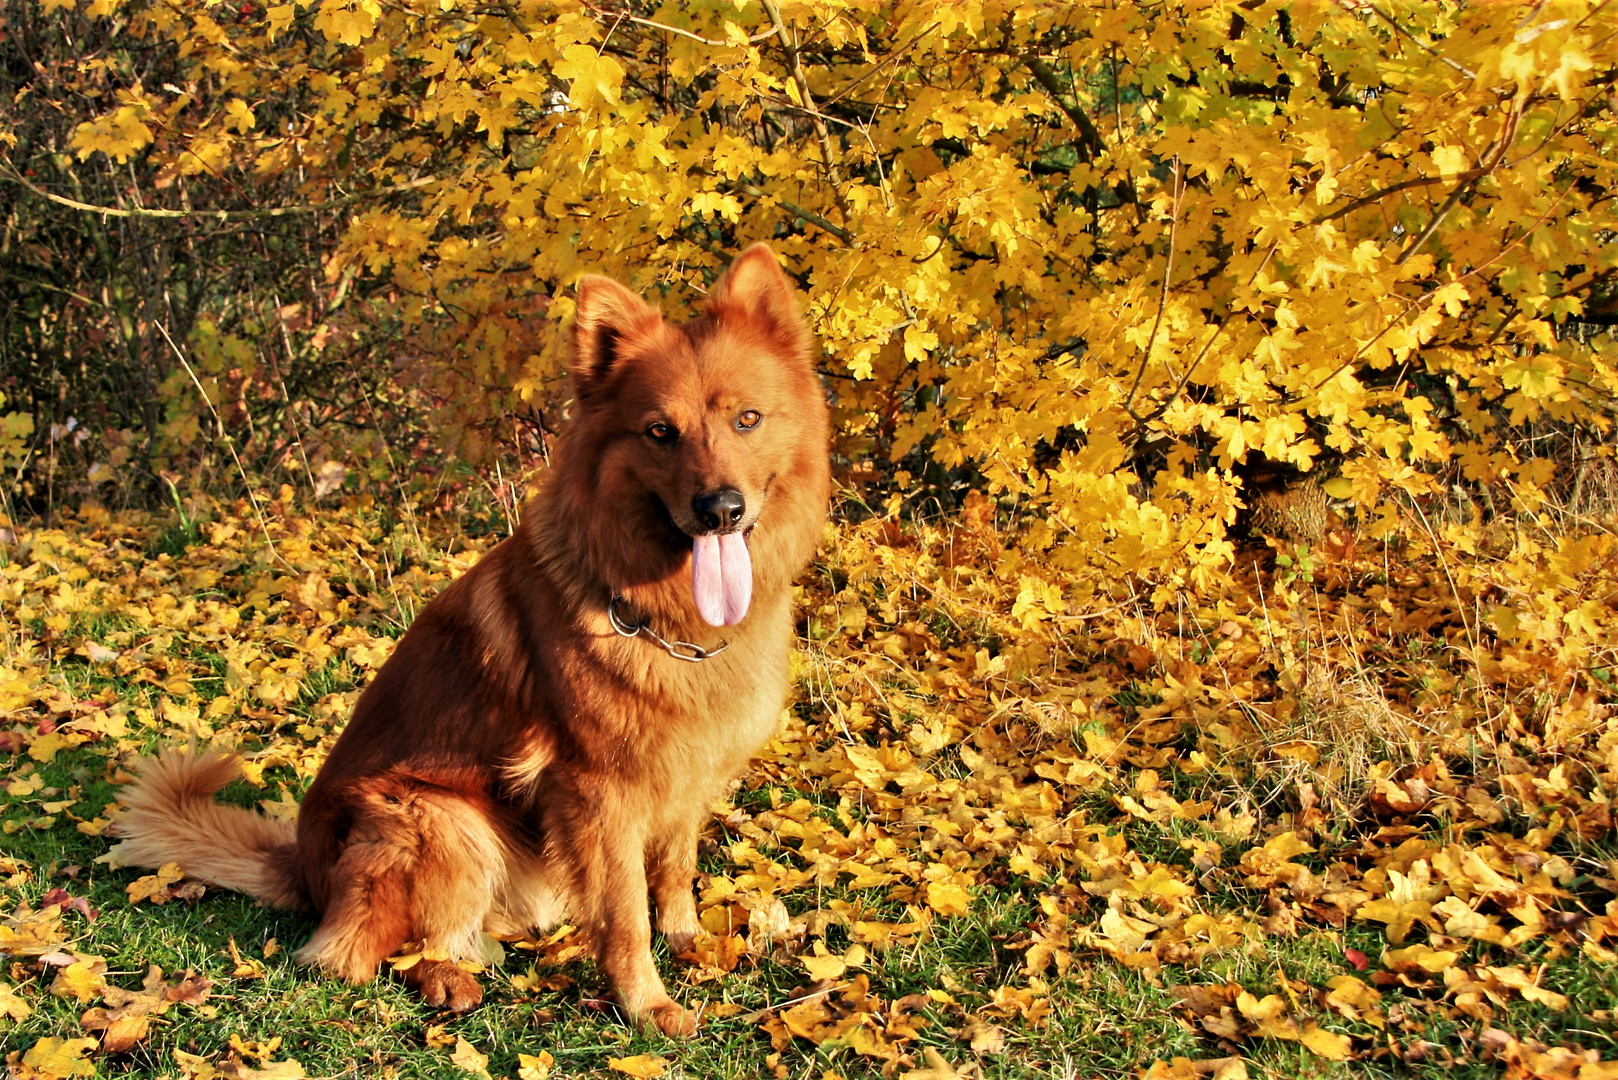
[(672, 1018), (680, 940), (443, 984)]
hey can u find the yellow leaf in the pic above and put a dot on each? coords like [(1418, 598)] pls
[(535, 1067), (821, 968), (938, 1068), (280, 17), (58, 1058), (45, 748), (1450, 160), (468, 1058), (591, 75), (195, 1066), (348, 22), (1420, 957), (81, 980), (644, 1066), (154, 887), (13, 1006), (119, 134), (1327, 1044), (947, 898)]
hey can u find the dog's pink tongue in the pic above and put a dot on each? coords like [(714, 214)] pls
[(721, 578)]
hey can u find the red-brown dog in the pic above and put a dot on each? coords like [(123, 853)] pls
[(542, 740)]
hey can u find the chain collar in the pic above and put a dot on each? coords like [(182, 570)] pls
[(680, 650)]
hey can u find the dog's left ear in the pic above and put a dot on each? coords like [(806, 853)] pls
[(754, 285)]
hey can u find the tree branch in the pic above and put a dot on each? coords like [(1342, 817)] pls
[(712, 43), (795, 59), (216, 215), (1163, 297), (794, 209), (1089, 135)]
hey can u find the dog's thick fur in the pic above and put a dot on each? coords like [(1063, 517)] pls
[(517, 759)]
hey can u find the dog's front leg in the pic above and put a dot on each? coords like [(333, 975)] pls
[(671, 865), (610, 858)]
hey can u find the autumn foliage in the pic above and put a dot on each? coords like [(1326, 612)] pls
[(1089, 279), (1098, 256)]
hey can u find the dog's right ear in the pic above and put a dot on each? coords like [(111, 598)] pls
[(606, 314)]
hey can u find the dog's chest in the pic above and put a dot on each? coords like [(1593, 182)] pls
[(707, 718)]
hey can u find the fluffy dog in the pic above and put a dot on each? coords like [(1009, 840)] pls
[(544, 740)]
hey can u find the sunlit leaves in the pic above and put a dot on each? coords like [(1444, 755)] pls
[(1197, 229), (592, 76), (347, 22), (120, 133)]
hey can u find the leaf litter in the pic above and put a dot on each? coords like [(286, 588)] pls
[(1162, 779)]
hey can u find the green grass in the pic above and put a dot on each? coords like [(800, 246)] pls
[(1104, 1020)]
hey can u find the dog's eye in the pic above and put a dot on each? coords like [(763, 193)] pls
[(661, 433), (748, 420)]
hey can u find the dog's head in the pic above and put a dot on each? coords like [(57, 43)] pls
[(698, 428)]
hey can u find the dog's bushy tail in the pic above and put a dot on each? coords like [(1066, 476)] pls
[(171, 817)]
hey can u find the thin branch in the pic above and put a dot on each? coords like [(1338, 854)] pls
[(1495, 154), (794, 209), (1202, 354), (1592, 13), (897, 54), (789, 45), (1392, 189), (753, 40), (215, 215), (230, 444), (1423, 46), (1503, 252), (1467, 175), (1163, 296)]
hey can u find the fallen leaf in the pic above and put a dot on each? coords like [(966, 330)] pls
[(469, 1059), (535, 1066), (57, 1058)]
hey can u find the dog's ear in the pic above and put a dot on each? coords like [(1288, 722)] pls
[(754, 285), (606, 313)]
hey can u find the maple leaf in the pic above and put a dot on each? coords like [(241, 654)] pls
[(469, 1059), (84, 979), (12, 1006), (593, 75), (58, 1058), (535, 1066)]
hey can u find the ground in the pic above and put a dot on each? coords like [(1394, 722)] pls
[(1341, 810)]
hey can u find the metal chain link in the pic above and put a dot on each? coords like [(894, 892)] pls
[(680, 650)]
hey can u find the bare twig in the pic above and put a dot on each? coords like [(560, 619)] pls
[(789, 43), (794, 209), (215, 215), (1400, 31), (753, 39), (1493, 157), (230, 444)]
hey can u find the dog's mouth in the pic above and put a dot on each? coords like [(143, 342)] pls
[(722, 576)]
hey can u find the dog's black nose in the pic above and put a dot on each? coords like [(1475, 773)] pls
[(719, 510)]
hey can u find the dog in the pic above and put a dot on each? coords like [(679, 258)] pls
[(547, 737)]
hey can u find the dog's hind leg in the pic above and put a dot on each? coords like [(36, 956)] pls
[(418, 864)]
